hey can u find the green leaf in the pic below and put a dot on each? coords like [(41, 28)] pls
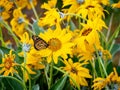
[(114, 35), (36, 87), (59, 85), (37, 28), (9, 84)]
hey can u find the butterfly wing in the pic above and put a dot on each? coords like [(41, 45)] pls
[(39, 43)]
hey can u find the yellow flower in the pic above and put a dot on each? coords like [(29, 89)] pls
[(52, 16), (75, 4), (28, 68), (87, 35), (91, 8), (106, 55), (87, 8), (59, 44), (104, 2), (99, 83), (5, 9), (77, 72), (33, 57), (90, 52), (7, 65), (18, 22), (26, 3), (116, 5), (111, 79)]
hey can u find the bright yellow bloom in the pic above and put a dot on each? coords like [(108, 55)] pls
[(77, 72), (59, 44), (5, 9), (116, 5), (111, 79), (91, 9), (87, 35), (52, 16), (104, 2), (26, 3), (75, 4), (18, 22), (96, 24), (28, 68), (99, 83), (33, 58), (87, 9), (7, 65), (106, 55), (88, 39)]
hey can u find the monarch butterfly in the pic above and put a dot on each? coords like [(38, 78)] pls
[(39, 43)]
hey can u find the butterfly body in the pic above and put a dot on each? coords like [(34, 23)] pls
[(39, 43)]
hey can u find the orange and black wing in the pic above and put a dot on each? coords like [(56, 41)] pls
[(39, 43)]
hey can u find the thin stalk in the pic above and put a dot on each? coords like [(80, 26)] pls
[(101, 70), (46, 70), (93, 67), (1, 37), (100, 60), (51, 74), (102, 67), (10, 30), (33, 8), (68, 76), (116, 33), (30, 88), (109, 28), (20, 82), (76, 16), (29, 30), (79, 21), (24, 71)]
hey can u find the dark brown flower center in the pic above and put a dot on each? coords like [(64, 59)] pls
[(90, 6), (86, 32), (74, 70)]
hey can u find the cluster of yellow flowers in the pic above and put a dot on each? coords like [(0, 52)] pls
[(73, 30)]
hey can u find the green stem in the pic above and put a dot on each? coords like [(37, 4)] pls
[(24, 71), (27, 28), (109, 28), (1, 37), (79, 21), (10, 30), (33, 8), (30, 88), (51, 74), (46, 70), (102, 67), (72, 14), (101, 71), (68, 76), (93, 67), (20, 82), (116, 33)]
